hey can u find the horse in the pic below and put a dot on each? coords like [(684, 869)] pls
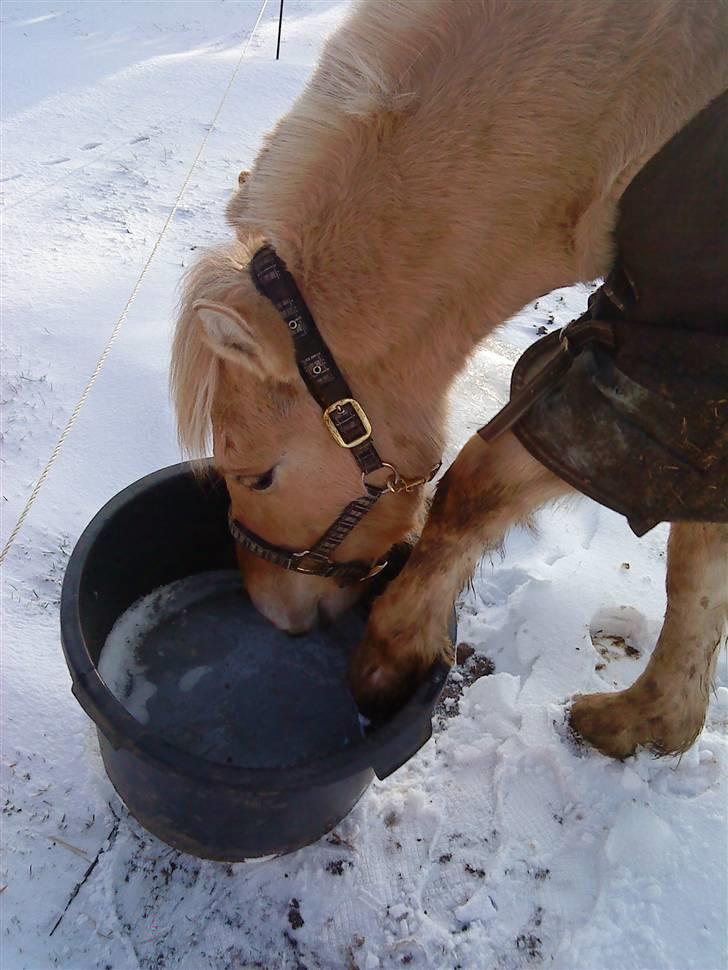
[(446, 164)]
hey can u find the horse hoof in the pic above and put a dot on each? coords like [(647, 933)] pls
[(380, 686)]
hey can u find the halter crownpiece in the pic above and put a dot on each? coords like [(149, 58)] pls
[(346, 421)]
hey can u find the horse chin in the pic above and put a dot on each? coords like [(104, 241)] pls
[(296, 604), (294, 621)]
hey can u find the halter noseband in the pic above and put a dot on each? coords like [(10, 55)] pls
[(346, 421)]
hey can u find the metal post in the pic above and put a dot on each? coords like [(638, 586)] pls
[(280, 25)]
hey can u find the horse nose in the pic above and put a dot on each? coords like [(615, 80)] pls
[(295, 620), (294, 634)]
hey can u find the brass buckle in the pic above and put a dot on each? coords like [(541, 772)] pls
[(334, 431), (316, 557)]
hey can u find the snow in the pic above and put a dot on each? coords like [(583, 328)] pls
[(499, 845), (119, 664)]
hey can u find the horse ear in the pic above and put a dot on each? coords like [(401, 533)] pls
[(230, 337)]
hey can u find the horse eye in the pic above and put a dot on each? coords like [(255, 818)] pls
[(263, 482)]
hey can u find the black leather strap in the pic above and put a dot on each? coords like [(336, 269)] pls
[(567, 343), (346, 421), (344, 416), (316, 364), (312, 562), (348, 520)]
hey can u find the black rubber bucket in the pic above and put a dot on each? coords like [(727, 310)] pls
[(165, 527)]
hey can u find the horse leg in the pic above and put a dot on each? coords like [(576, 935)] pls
[(665, 707), (488, 488)]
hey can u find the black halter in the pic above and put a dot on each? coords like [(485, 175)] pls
[(346, 421)]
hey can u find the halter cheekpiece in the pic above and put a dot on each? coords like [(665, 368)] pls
[(346, 421)]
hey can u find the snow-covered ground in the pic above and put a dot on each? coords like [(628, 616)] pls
[(500, 845)]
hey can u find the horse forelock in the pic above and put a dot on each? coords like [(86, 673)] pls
[(194, 367)]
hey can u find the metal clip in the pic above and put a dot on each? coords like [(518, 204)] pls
[(375, 570), (401, 484)]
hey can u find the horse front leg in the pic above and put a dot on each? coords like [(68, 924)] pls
[(488, 488), (665, 707)]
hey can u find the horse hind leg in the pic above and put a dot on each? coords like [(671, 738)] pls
[(665, 708)]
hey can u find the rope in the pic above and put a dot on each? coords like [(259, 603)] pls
[(124, 313)]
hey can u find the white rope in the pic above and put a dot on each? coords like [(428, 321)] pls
[(122, 317)]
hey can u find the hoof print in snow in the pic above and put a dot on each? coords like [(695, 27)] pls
[(337, 866), (335, 839), (391, 820), (294, 915), (470, 666), (610, 645), (614, 633), (529, 944), (356, 944)]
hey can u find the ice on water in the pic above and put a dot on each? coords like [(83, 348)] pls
[(198, 665)]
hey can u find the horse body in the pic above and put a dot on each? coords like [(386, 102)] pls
[(447, 163)]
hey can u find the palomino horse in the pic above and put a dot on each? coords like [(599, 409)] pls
[(447, 163)]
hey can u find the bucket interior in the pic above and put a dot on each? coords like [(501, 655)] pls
[(201, 668)]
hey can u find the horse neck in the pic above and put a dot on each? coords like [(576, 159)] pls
[(414, 228), (402, 300), (401, 297)]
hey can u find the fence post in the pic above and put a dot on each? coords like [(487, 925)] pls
[(280, 25)]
